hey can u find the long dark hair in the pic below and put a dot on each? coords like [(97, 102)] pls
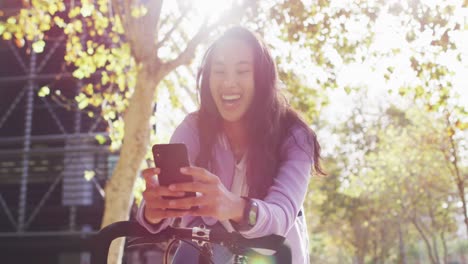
[(269, 117)]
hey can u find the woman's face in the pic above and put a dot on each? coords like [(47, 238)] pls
[(232, 79)]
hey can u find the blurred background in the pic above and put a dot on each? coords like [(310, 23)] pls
[(382, 82)]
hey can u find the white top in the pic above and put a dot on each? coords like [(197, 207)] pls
[(239, 186)]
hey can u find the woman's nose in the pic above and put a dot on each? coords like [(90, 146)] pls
[(229, 81)]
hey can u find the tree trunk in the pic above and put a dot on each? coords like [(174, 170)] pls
[(119, 189), (401, 246), (426, 241)]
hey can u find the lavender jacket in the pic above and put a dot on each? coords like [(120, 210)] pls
[(278, 212)]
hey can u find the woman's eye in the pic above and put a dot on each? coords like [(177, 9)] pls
[(218, 72), (243, 72)]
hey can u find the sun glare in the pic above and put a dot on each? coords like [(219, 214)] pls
[(211, 9)]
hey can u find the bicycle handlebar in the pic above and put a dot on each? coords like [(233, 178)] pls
[(234, 241)]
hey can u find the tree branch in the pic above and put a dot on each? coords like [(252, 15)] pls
[(174, 27), (187, 90), (187, 55), (153, 16), (189, 52), (426, 240), (118, 8), (141, 32)]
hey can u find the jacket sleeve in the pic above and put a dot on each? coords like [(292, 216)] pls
[(278, 210), (184, 133)]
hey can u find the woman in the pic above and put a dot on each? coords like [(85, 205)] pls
[(253, 154)]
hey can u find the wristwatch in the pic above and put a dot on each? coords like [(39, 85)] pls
[(249, 216)]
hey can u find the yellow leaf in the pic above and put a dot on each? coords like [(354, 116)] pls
[(89, 175), (83, 104), (121, 82), (135, 12), (139, 11), (44, 91), (78, 26), (143, 10), (100, 59), (59, 22), (53, 8), (61, 6), (89, 89), (96, 100), (101, 139), (19, 42), (105, 78), (2, 28), (74, 12), (7, 36), (450, 132), (11, 20), (87, 10), (78, 74), (38, 46), (461, 125), (75, 40), (44, 26)]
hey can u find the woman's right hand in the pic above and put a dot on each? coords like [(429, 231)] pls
[(155, 206)]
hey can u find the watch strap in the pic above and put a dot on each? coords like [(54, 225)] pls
[(249, 216)]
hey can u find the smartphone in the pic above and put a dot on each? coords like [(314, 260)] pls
[(170, 158)]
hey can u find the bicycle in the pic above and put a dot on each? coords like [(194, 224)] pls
[(241, 247)]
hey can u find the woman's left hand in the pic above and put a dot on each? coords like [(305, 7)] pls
[(215, 200)]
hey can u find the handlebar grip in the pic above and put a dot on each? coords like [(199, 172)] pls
[(101, 242), (272, 242)]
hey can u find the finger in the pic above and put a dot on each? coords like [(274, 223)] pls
[(202, 211), (199, 174), (157, 203), (149, 172), (149, 176), (161, 203), (191, 187), (161, 213), (159, 191), (185, 203)]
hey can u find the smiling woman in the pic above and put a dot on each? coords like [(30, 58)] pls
[(251, 154), (232, 79)]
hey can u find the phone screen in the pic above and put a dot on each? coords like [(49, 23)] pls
[(170, 158)]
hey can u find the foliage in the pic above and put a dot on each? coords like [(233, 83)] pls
[(396, 177), (399, 185)]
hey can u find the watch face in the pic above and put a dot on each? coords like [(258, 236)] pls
[(253, 213)]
